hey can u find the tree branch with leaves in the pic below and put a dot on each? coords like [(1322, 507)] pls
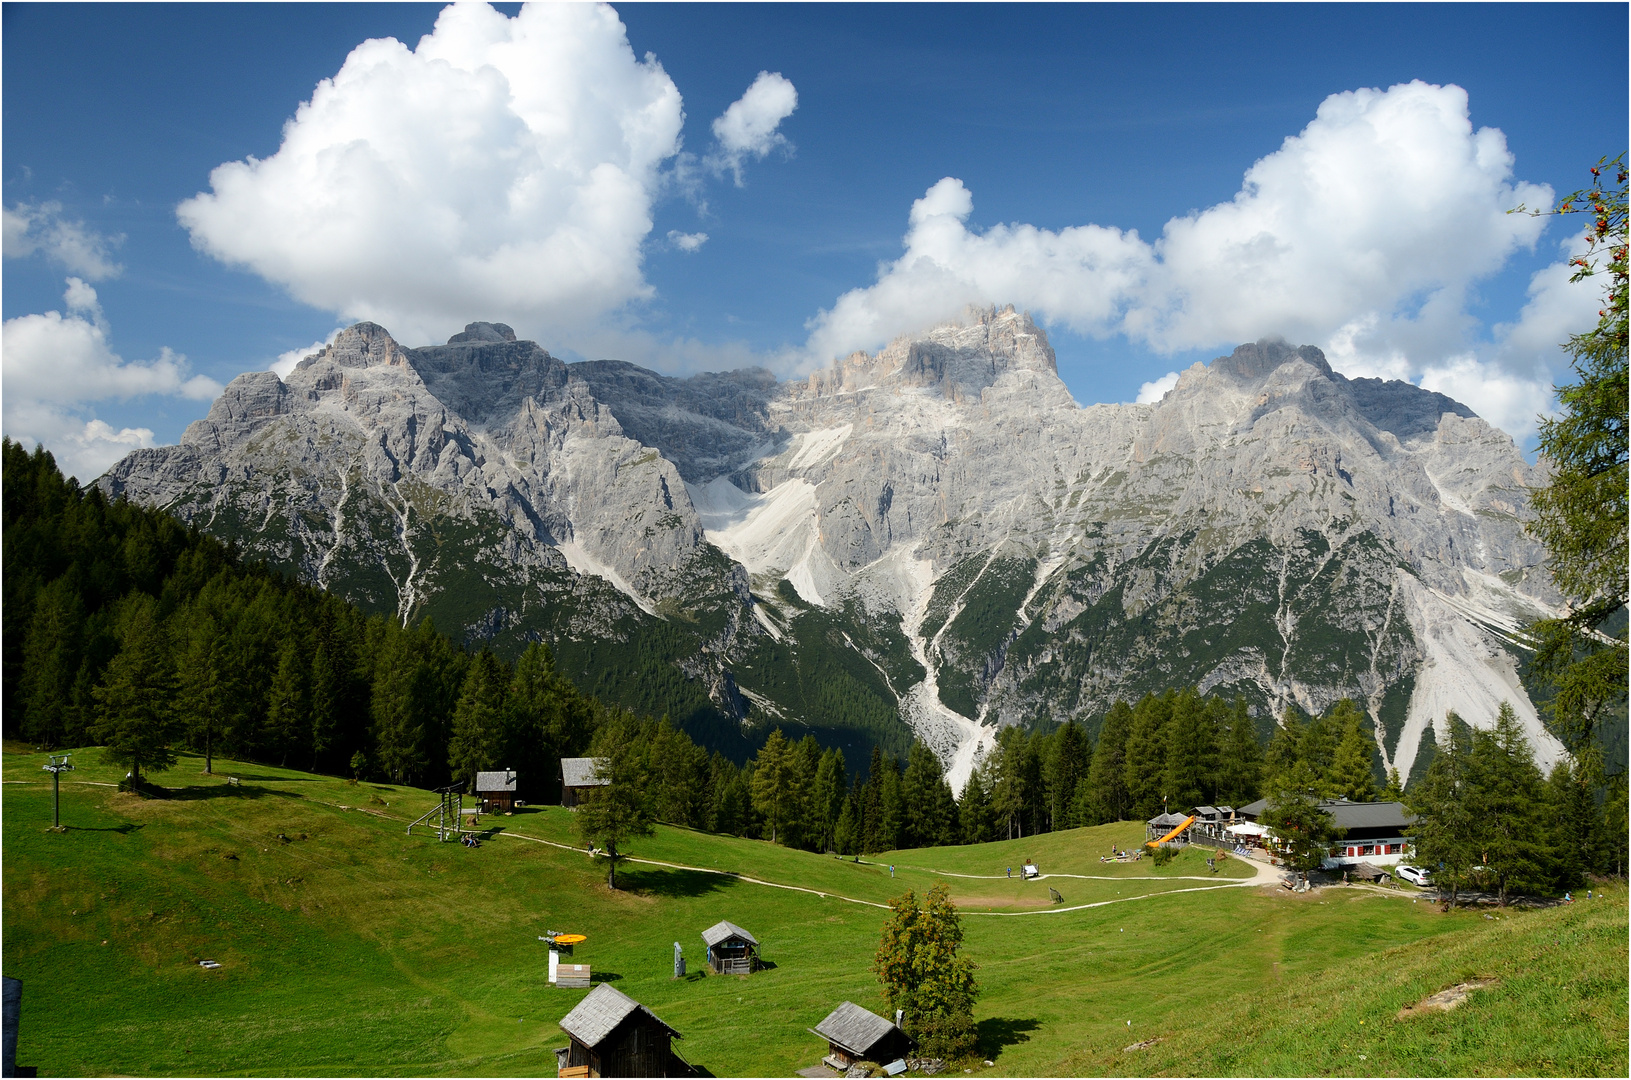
[(1581, 514)]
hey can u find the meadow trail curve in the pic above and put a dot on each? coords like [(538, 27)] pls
[(1265, 875)]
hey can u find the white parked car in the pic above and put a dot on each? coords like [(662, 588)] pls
[(1415, 875)]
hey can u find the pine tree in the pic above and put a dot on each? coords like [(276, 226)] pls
[(1446, 830), (52, 655), (1191, 753), (620, 809), (1146, 766), (1107, 772), (288, 708), (478, 720), (829, 799), (203, 687), (1302, 828), (847, 833), (1507, 798), (137, 722), (775, 786), (1067, 763), (1351, 775), (1285, 748), (927, 821), (1240, 759), (974, 817)]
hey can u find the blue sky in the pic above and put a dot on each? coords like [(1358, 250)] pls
[(1034, 140)]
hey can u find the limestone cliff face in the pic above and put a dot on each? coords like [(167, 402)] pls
[(937, 531)]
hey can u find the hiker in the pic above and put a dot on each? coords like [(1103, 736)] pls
[(1010, 871)]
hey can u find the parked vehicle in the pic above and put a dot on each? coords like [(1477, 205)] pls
[(1415, 875)]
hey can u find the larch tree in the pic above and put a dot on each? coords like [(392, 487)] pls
[(1581, 514), (620, 809)]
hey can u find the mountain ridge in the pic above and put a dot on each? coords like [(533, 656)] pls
[(937, 529)]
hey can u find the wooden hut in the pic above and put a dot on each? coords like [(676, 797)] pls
[(496, 790), (731, 949), (578, 776), (614, 1035), (854, 1034)]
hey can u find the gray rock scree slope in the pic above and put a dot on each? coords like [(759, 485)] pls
[(934, 539)]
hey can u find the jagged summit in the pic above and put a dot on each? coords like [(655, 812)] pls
[(934, 536), (477, 332)]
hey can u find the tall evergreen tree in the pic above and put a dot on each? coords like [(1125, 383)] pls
[(1146, 766), (1508, 804), (620, 809), (928, 817), (1581, 514), (1240, 759), (775, 784), (1191, 752), (1107, 772), (137, 725), (1351, 776), (288, 707), (1446, 830), (828, 799), (478, 721), (1067, 763), (51, 659), (975, 821)]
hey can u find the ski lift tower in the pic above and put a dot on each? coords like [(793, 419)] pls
[(447, 813), (59, 765)]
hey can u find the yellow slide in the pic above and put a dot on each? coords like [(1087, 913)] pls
[(1188, 821)]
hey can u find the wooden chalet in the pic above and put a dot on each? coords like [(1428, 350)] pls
[(496, 790), (577, 777), (614, 1035), (731, 949), (1376, 832), (854, 1034)]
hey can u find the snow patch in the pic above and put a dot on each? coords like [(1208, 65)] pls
[(582, 562)]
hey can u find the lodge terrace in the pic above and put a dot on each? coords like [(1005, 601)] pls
[(1373, 832)]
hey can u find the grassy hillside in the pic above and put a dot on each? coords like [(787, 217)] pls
[(351, 948)]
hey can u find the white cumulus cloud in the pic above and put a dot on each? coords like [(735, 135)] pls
[(501, 164), (1151, 392), (40, 227), (54, 366), (687, 242), (285, 363), (747, 128), (1366, 233)]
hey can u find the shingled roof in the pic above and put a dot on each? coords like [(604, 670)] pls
[(496, 781), (722, 930), (853, 1028), (580, 772), (599, 1013)]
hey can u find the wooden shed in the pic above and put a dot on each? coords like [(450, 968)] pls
[(496, 790), (578, 776), (731, 949), (854, 1034), (614, 1035)]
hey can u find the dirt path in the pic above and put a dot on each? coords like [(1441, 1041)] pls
[(1265, 875)]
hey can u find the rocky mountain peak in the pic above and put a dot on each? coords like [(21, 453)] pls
[(1258, 360), (961, 357), (364, 345), (477, 332)]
